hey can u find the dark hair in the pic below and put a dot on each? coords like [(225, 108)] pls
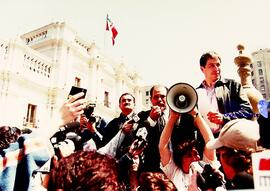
[(182, 149), (238, 160), (156, 86), (126, 94), (208, 55), (86, 170), (8, 135), (151, 181)]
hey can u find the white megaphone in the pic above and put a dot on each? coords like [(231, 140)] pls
[(182, 98)]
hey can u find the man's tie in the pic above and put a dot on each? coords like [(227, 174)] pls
[(161, 123)]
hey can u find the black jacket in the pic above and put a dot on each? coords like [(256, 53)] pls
[(151, 157), (112, 128), (232, 101)]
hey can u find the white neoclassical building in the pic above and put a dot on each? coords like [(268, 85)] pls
[(38, 69)]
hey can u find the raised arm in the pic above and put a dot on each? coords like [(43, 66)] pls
[(70, 110), (164, 151), (205, 131)]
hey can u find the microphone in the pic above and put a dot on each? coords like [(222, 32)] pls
[(134, 118), (141, 136)]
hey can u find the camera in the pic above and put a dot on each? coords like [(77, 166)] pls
[(67, 135), (208, 177), (88, 112)]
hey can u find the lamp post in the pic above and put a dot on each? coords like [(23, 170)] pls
[(244, 71)]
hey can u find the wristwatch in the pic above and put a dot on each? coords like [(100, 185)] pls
[(195, 115)]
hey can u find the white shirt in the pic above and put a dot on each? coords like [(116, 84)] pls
[(176, 175), (207, 102)]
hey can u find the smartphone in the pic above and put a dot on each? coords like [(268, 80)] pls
[(74, 90)]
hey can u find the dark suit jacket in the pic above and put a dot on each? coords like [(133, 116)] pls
[(112, 128), (151, 157), (232, 101)]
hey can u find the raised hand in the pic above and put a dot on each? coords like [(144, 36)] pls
[(72, 108)]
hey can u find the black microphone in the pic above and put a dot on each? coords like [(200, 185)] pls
[(134, 118), (141, 135)]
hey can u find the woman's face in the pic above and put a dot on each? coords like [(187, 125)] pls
[(191, 156)]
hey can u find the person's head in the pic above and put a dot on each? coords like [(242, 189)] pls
[(236, 140), (234, 161), (186, 153), (210, 66), (85, 170), (239, 134), (151, 181), (126, 103), (158, 96), (8, 135)]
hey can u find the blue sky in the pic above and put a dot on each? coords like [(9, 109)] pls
[(162, 40)]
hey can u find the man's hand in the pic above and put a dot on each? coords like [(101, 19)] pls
[(155, 113), (72, 108), (215, 117), (85, 123), (127, 127)]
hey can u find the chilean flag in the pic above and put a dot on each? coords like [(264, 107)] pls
[(110, 27)]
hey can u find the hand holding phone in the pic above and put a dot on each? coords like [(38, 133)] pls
[(75, 90)]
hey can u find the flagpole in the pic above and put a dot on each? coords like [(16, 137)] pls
[(104, 37)]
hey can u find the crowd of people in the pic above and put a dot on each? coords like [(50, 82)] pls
[(207, 148)]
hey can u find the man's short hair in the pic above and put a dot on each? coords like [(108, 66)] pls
[(208, 55), (126, 94), (86, 170), (156, 86)]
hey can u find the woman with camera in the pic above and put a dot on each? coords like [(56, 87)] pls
[(176, 164)]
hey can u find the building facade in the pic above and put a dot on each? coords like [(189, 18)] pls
[(261, 71), (38, 69)]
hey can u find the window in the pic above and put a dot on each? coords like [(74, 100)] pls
[(261, 80), (147, 93), (262, 88), (106, 99), (31, 115), (77, 82), (259, 63), (260, 72)]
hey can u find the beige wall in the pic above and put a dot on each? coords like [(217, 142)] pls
[(41, 67)]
